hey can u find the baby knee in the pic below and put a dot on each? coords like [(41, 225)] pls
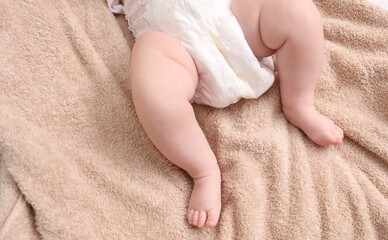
[(296, 20)]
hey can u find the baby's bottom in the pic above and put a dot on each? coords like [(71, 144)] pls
[(164, 79)]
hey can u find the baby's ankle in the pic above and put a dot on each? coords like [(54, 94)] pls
[(214, 171), (297, 108), (297, 105)]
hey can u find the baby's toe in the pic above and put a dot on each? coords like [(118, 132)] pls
[(334, 138), (190, 216), (340, 132), (195, 218), (201, 219), (212, 217), (328, 137)]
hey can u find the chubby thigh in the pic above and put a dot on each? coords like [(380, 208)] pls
[(160, 62), (248, 14)]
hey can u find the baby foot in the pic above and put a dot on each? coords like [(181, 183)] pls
[(317, 127), (205, 202)]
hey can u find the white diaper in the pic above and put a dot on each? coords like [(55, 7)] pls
[(227, 67)]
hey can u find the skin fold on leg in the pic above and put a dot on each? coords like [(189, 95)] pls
[(164, 79)]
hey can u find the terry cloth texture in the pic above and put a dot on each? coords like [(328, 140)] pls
[(76, 163)]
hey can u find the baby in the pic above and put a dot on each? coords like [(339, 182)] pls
[(216, 52)]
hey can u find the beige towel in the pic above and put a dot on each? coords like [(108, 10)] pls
[(76, 163)]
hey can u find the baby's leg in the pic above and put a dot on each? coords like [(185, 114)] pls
[(164, 78), (294, 28)]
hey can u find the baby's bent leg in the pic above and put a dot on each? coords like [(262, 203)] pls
[(164, 79), (294, 28)]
